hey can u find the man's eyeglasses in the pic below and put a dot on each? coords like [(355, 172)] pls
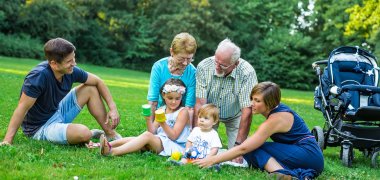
[(223, 66)]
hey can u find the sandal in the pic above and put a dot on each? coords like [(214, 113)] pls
[(103, 145)]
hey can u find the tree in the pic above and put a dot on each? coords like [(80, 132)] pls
[(252, 20), (9, 13), (364, 21), (93, 39), (265, 31), (329, 20), (284, 58), (207, 21), (47, 19)]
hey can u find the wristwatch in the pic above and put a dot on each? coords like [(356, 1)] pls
[(237, 143)]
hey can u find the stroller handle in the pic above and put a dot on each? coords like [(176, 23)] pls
[(361, 88), (317, 63), (316, 67)]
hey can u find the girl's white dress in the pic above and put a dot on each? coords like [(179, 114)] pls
[(180, 143)]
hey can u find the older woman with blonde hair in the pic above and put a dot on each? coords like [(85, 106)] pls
[(177, 65)]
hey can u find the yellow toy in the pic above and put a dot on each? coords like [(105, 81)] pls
[(176, 155)]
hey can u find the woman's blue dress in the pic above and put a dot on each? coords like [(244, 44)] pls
[(296, 150)]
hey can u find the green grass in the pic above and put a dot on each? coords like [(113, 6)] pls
[(41, 160)]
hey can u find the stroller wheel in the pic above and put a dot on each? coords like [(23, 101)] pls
[(346, 153), (375, 160), (367, 153), (319, 136)]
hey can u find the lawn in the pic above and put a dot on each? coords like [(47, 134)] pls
[(29, 159)]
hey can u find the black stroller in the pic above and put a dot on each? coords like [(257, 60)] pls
[(349, 98)]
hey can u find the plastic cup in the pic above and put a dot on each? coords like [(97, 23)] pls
[(146, 109), (160, 115)]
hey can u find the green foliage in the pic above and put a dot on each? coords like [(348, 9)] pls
[(20, 46), (47, 19), (135, 34), (252, 21), (263, 31), (94, 46), (365, 22), (207, 22), (364, 18), (140, 49), (30, 159), (9, 11), (330, 20), (92, 39), (285, 60)]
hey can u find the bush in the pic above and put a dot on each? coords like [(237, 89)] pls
[(93, 46), (286, 60), (20, 46), (9, 11), (47, 19)]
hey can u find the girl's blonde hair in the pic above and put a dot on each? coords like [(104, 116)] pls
[(271, 93), (209, 110), (184, 43)]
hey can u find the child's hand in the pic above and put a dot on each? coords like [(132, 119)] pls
[(92, 145)]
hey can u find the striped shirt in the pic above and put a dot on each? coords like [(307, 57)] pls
[(231, 93)]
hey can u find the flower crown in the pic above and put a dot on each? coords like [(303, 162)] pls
[(174, 88)]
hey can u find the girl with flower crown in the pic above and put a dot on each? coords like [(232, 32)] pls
[(166, 137)]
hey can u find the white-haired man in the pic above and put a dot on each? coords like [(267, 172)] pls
[(226, 81)]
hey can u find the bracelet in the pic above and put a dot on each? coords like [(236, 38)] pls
[(237, 143)]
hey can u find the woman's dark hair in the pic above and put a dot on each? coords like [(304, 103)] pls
[(271, 93)]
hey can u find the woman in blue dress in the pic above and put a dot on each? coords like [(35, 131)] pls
[(293, 152)]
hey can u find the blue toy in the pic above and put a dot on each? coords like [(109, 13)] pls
[(192, 153)]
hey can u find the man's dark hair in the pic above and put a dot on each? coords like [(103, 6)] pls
[(57, 49)]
